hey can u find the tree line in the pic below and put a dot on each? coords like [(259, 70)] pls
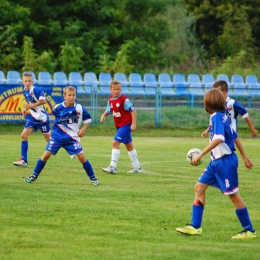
[(130, 35)]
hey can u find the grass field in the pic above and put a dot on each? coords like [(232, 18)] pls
[(128, 216)]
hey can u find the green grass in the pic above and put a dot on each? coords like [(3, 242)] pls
[(128, 216)]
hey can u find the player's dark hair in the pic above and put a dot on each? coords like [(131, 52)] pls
[(214, 101), (115, 82), (221, 85)]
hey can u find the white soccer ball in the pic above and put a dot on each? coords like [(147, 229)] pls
[(190, 155)]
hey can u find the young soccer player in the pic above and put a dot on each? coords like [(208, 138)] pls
[(233, 109), (37, 119), (66, 133), (125, 115), (221, 172)]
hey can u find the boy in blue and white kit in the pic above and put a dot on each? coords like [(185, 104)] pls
[(37, 119), (221, 172), (233, 109), (66, 133)]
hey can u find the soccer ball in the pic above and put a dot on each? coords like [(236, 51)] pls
[(190, 155)]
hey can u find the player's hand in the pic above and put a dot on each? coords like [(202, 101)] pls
[(133, 127), (205, 133), (248, 163), (254, 132), (196, 158), (27, 106), (24, 112), (102, 119), (81, 133)]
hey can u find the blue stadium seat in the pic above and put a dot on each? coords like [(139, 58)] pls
[(60, 78), (13, 77), (193, 78), (35, 81), (119, 76), (239, 90), (179, 78), (2, 78), (251, 79), (208, 86), (91, 81), (207, 79), (136, 83), (75, 79), (44, 78), (104, 82), (196, 89), (150, 83), (166, 84), (237, 79)]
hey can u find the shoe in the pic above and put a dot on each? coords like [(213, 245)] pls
[(135, 170), (190, 230), (244, 234), (20, 162), (30, 179), (110, 169), (72, 156), (94, 181)]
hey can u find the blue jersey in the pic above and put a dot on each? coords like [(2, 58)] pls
[(233, 109), (38, 113), (220, 128), (68, 121)]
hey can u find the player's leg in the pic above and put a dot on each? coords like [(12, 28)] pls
[(46, 130), (243, 216), (23, 161), (52, 148), (114, 154), (88, 168), (133, 157)]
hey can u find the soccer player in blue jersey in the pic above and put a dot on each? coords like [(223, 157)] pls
[(37, 119), (233, 109), (125, 115), (66, 133), (221, 172)]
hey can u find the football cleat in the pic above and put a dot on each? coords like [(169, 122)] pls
[(110, 169), (135, 170), (244, 234), (30, 179), (190, 230), (20, 162), (94, 181)]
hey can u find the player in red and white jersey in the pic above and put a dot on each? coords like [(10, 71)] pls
[(125, 116)]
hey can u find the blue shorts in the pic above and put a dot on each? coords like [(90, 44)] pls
[(123, 134), (222, 174), (44, 127), (73, 147)]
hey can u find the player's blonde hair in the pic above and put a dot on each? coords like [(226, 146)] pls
[(68, 88), (214, 101), (115, 82), (27, 74)]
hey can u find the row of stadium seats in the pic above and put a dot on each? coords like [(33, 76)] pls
[(135, 84)]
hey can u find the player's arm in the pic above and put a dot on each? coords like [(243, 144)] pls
[(105, 114), (134, 117), (242, 152), (251, 127), (82, 130), (38, 103), (129, 106), (207, 149), (205, 133)]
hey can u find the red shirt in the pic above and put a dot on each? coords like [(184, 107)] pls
[(121, 116)]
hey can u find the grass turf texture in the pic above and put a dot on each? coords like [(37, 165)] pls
[(128, 216)]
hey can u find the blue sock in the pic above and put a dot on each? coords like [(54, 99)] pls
[(197, 212), (244, 219), (38, 168), (24, 150), (88, 168)]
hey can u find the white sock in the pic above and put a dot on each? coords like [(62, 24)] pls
[(133, 157), (114, 157)]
